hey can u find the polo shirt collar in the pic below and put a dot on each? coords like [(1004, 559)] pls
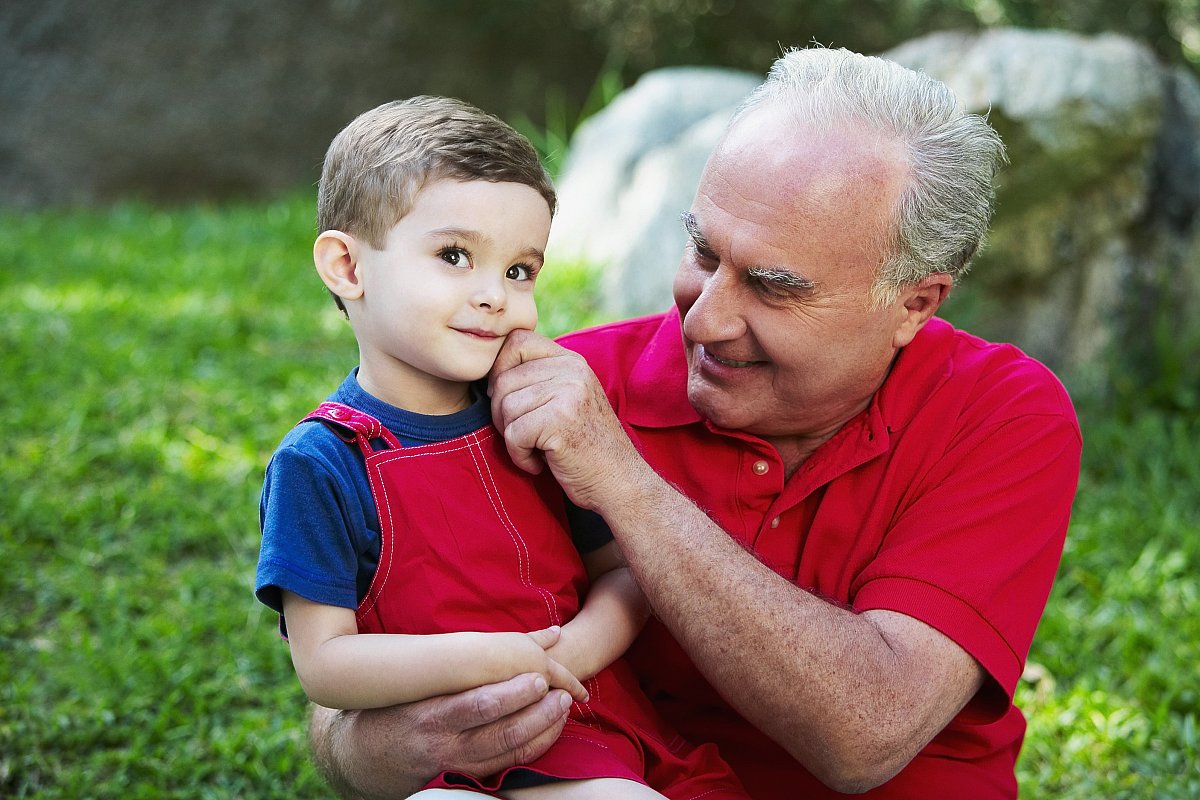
[(657, 385), (920, 368)]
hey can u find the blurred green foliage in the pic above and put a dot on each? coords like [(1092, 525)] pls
[(644, 34), (152, 359)]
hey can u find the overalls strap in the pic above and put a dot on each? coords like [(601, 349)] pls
[(352, 425)]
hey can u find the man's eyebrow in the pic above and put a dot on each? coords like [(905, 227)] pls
[(693, 231), (782, 277)]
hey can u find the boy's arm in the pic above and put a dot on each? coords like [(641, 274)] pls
[(612, 616), (341, 668)]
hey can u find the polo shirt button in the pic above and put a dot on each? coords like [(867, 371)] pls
[(775, 522), (760, 467)]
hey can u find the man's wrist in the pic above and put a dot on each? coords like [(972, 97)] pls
[(342, 748)]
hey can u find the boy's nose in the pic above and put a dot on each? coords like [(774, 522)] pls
[(489, 295)]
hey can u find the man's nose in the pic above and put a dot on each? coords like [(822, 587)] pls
[(716, 314)]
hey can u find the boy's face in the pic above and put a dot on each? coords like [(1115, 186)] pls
[(455, 276)]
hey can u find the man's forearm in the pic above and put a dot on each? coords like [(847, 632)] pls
[(824, 682)]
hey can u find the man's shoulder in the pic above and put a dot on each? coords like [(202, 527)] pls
[(997, 374), (616, 345), (623, 332)]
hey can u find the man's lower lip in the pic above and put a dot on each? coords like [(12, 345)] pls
[(728, 362)]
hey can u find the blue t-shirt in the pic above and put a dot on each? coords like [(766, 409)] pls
[(320, 528)]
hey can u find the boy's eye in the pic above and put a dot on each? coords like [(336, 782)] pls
[(519, 272), (454, 256)]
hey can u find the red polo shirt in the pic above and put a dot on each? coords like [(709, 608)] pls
[(946, 500)]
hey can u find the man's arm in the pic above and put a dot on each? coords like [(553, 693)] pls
[(853, 697), (392, 752)]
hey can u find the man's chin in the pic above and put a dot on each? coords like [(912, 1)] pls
[(712, 404)]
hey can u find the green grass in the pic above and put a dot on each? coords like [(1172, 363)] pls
[(150, 362)]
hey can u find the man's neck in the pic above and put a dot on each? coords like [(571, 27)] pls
[(794, 451)]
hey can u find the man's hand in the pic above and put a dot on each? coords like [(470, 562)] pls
[(392, 752), (531, 652), (548, 404)]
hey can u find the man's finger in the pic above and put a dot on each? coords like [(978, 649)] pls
[(518, 738), (521, 346), (486, 704)]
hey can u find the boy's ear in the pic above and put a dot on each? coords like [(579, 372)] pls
[(336, 257)]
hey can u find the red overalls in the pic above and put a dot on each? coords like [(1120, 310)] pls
[(471, 543)]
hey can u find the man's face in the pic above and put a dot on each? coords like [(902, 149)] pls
[(787, 231)]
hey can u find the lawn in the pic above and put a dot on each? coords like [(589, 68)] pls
[(150, 362)]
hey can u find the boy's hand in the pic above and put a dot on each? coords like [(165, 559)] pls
[(528, 651)]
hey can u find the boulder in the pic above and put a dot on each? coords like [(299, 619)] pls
[(1095, 239), (631, 171)]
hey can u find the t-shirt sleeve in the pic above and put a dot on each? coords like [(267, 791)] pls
[(306, 546), (974, 552), (589, 531)]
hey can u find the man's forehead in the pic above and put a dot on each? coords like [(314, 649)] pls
[(797, 174), (785, 145)]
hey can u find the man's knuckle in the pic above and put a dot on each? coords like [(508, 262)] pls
[(486, 707), (509, 737)]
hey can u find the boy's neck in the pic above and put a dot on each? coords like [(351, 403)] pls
[(433, 399)]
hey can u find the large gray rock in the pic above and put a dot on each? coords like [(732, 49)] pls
[(632, 170), (1095, 238)]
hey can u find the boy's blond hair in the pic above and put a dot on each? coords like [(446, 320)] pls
[(377, 164)]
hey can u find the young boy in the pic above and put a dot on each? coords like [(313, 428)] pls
[(407, 554)]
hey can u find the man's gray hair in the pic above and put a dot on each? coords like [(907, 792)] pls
[(953, 155)]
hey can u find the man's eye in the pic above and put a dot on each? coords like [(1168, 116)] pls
[(703, 253), (772, 289), (454, 256)]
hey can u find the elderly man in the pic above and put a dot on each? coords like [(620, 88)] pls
[(846, 514)]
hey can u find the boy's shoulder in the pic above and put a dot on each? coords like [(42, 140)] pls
[(313, 445)]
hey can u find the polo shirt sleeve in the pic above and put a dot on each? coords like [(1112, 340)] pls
[(306, 546), (974, 549)]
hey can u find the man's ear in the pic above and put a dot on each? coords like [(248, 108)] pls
[(335, 255), (921, 301)]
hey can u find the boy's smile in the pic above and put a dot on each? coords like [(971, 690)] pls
[(455, 276)]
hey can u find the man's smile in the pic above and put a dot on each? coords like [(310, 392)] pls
[(704, 355)]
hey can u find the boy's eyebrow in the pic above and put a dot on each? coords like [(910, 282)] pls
[(475, 238)]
